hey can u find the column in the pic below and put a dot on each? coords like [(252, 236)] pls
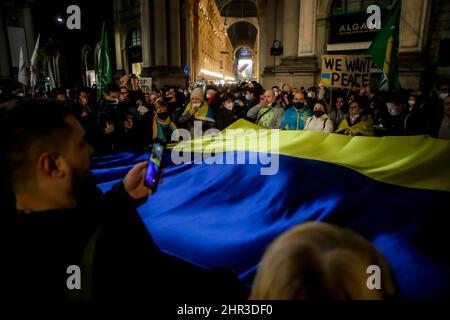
[(279, 23), (28, 26), (290, 28), (5, 67), (160, 33), (268, 31), (117, 37), (174, 35), (146, 39), (189, 53), (307, 28)]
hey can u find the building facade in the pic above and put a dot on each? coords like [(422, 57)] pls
[(167, 39), (309, 29)]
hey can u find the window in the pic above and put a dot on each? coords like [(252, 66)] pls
[(353, 6), (134, 38)]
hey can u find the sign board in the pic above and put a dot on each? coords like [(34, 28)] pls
[(146, 84), (345, 71), (349, 28)]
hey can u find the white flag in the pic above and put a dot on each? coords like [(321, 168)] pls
[(51, 82), (23, 76), (33, 63)]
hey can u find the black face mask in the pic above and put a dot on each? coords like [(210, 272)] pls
[(299, 105), (318, 113), (163, 115)]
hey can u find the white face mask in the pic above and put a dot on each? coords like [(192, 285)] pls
[(248, 97), (443, 95), (196, 105), (208, 96), (310, 95), (354, 118), (411, 103), (277, 94)]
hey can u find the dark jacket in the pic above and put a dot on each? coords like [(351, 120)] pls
[(46, 243), (225, 118), (121, 138), (115, 252)]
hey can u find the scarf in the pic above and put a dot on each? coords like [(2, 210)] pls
[(360, 128), (203, 113), (159, 127)]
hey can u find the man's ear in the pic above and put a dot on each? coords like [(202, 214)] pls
[(51, 165)]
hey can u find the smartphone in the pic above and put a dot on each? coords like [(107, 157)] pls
[(154, 165)]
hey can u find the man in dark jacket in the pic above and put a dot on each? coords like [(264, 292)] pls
[(68, 241), (116, 122)]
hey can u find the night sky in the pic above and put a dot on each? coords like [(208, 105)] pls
[(56, 36)]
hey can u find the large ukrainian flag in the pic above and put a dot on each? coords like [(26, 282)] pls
[(392, 190)]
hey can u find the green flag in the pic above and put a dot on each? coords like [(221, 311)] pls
[(384, 50), (104, 72)]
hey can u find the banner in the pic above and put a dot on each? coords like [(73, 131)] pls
[(146, 84), (23, 74), (343, 71), (33, 63)]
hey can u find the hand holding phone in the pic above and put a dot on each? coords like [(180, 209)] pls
[(154, 166), (134, 182)]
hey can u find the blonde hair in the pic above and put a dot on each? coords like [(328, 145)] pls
[(318, 261)]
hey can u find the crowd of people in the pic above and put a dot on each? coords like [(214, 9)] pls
[(127, 118), (45, 161)]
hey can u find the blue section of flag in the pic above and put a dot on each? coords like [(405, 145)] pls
[(326, 76), (226, 215)]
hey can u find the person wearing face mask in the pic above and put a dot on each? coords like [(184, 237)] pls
[(356, 123), (296, 116), (158, 125), (443, 92), (110, 120), (416, 119), (312, 96), (250, 100), (276, 91), (197, 110), (226, 115), (320, 121)]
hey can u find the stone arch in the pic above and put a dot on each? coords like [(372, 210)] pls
[(250, 21)]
